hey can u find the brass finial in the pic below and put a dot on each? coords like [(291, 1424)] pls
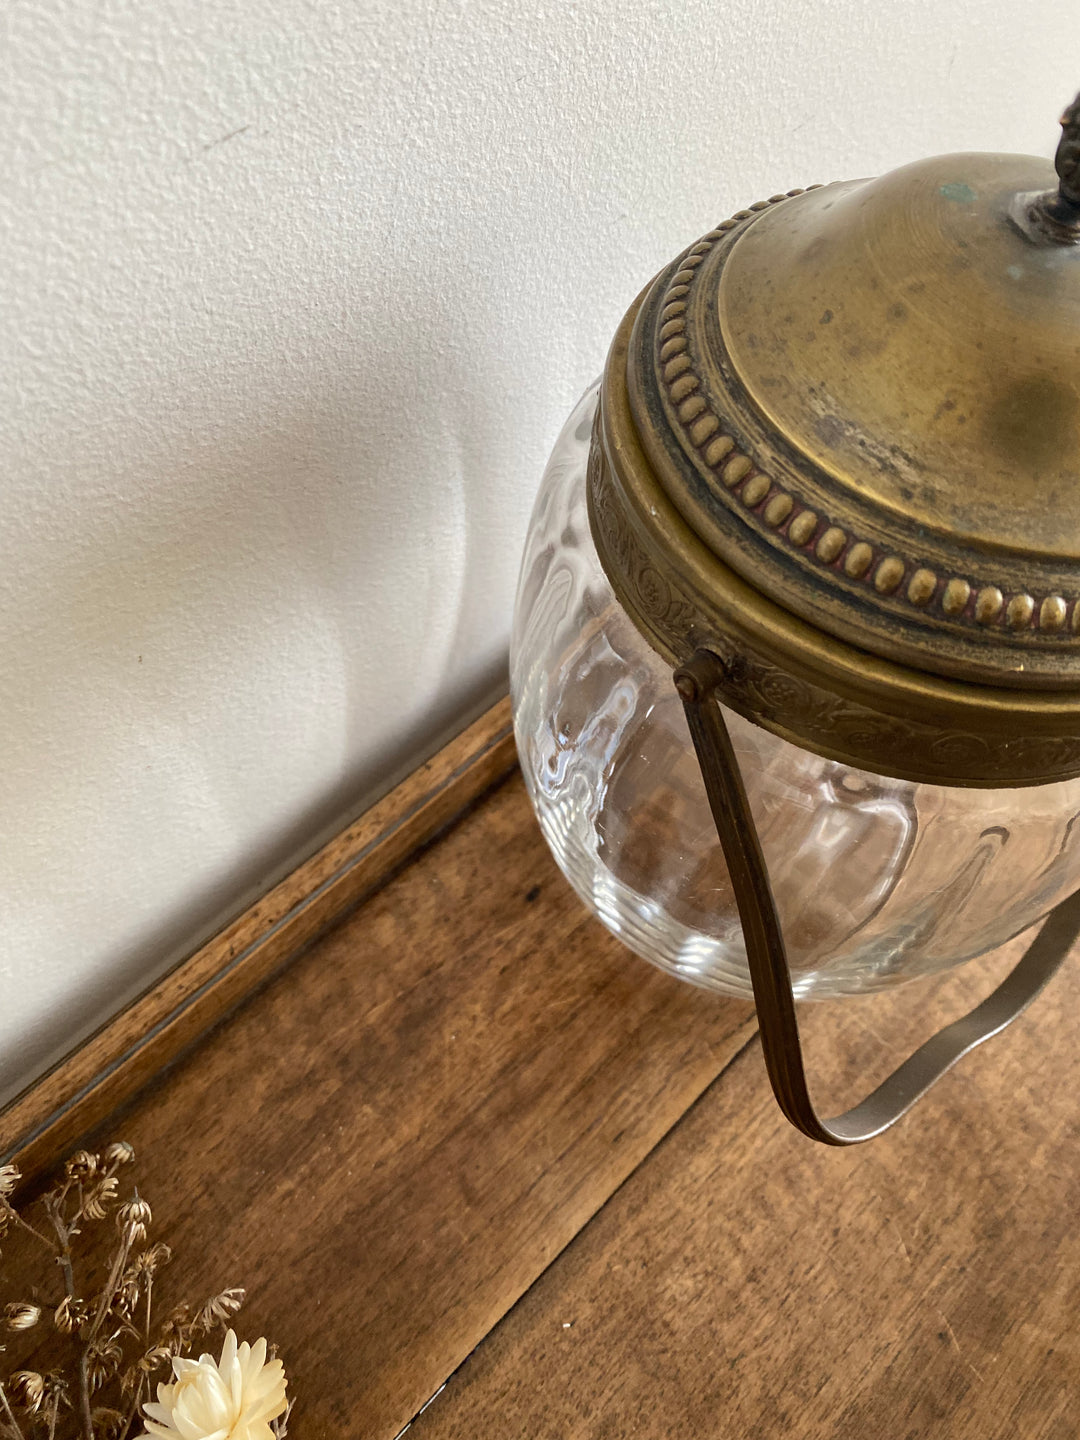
[(1055, 215), (1067, 159)]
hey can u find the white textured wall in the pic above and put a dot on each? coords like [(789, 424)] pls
[(293, 297)]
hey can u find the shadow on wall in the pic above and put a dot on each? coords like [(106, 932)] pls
[(261, 634)]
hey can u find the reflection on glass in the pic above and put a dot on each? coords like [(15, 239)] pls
[(876, 880)]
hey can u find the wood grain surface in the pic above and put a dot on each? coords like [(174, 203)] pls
[(748, 1283), (151, 1031), (465, 1139), (390, 1142)]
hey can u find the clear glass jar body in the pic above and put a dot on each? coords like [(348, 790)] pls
[(876, 880)]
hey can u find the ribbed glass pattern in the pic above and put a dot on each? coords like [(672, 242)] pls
[(876, 880)]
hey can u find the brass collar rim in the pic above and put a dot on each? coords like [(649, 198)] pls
[(794, 679)]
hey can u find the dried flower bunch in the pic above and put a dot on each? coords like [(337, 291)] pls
[(105, 1345)]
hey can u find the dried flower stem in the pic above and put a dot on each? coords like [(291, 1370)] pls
[(141, 1386), (63, 1235), (84, 1396), (25, 1225), (108, 1294), (111, 1335), (16, 1428)]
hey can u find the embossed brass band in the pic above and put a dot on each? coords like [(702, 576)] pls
[(782, 672)]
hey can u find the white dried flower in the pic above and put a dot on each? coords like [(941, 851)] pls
[(233, 1398), (9, 1178)]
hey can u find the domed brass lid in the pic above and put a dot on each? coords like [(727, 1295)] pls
[(854, 412)]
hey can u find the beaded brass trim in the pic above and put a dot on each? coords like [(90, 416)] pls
[(705, 431), (782, 674)]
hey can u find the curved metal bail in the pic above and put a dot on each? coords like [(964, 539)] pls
[(767, 956)]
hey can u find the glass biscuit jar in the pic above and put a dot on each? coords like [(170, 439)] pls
[(829, 484)]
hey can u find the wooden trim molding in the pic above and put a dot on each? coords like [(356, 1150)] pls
[(111, 1064)]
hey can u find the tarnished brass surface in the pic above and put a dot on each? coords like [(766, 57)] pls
[(781, 671), (866, 399), (905, 337), (840, 446)]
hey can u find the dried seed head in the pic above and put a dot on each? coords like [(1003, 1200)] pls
[(70, 1314), (175, 1333), (158, 1256), (27, 1389), (107, 1423), (220, 1308), (56, 1391), (99, 1198), (154, 1358), (10, 1175), (149, 1262), (127, 1294), (136, 1210), (81, 1166), (119, 1153), (134, 1216), (103, 1360), (21, 1315)]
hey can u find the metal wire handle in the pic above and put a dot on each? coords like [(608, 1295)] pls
[(766, 953)]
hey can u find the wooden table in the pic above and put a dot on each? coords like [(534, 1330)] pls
[(483, 1171)]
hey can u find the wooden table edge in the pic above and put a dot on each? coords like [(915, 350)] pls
[(145, 1035)]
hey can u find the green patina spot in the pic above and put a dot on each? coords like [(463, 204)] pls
[(959, 192)]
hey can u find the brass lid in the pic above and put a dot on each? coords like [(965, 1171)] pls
[(857, 408)]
